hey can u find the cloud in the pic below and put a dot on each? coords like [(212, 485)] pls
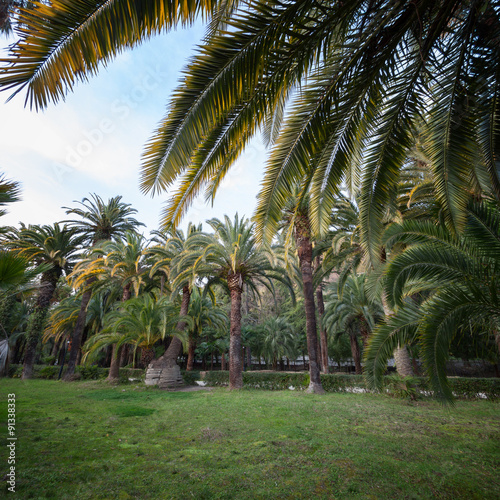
[(93, 141)]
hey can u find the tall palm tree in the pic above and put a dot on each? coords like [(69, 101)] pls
[(458, 278), (98, 221), (101, 221), (296, 215), (231, 258), (118, 262), (172, 257), (56, 247), (368, 72)]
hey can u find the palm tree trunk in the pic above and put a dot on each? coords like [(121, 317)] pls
[(403, 361), (36, 322), (235, 352), (304, 249), (124, 356), (116, 356), (191, 349), (322, 331), (223, 362), (356, 355), (114, 369), (56, 347), (165, 371), (76, 337), (401, 355)]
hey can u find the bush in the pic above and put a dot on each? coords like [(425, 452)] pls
[(15, 371), (190, 377), (343, 383), (48, 372), (219, 378), (131, 375), (475, 388), (92, 372), (279, 381), (276, 381), (404, 387)]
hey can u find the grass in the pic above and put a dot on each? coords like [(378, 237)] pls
[(86, 440)]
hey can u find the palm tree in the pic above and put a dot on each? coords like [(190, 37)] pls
[(140, 322), (114, 262), (457, 276), (55, 246), (368, 72), (296, 215), (277, 341), (350, 310), (98, 221), (9, 191), (64, 315), (172, 257), (204, 314), (231, 258), (8, 10)]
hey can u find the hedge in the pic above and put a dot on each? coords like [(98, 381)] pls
[(81, 372), (279, 381), (463, 388)]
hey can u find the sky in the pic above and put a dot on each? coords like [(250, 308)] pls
[(92, 142)]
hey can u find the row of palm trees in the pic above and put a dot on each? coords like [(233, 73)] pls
[(146, 290), (341, 91)]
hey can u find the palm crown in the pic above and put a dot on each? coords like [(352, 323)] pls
[(102, 221), (329, 83)]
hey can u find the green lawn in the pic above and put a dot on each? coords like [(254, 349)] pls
[(86, 440)]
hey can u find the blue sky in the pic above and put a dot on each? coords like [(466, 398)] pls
[(92, 142)]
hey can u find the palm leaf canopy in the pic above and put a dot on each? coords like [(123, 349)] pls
[(53, 245), (333, 85), (102, 221), (458, 278), (231, 252)]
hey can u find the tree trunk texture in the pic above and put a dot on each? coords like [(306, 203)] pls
[(56, 347), (403, 361), (164, 371), (223, 362), (124, 356), (235, 350), (363, 330), (7, 319), (322, 331), (36, 321), (114, 369), (304, 249), (76, 337), (117, 354), (356, 355), (191, 349), (147, 355), (401, 355)]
